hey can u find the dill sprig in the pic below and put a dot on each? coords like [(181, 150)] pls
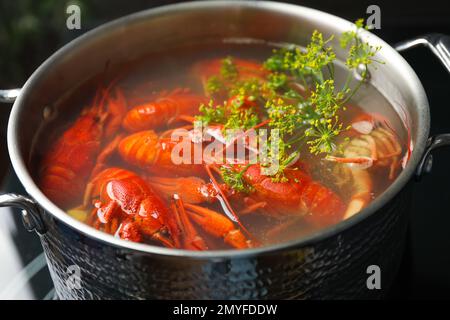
[(235, 179), (317, 120), (315, 117), (214, 85), (322, 134), (231, 115), (250, 88), (326, 101), (360, 54), (228, 82), (325, 127), (286, 117), (299, 96), (241, 117), (304, 64), (234, 114), (228, 69), (212, 113), (228, 74)]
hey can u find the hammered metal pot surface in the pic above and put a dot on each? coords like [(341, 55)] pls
[(334, 268)]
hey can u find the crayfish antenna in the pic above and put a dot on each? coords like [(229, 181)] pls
[(189, 119), (88, 193), (99, 166), (166, 242), (105, 154), (356, 162), (189, 237), (222, 194), (282, 228), (167, 133), (234, 217), (253, 206)]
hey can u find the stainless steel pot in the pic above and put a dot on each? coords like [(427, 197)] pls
[(329, 264)]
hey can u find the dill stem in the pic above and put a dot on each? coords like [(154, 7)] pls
[(296, 139), (354, 91), (330, 68), (302, 78), (347, 81)]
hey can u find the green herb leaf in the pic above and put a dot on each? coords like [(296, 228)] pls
[(302, 64), (212, 114), (229, 70), (214, 85), (235, 179), (360, 52), (240, 116)]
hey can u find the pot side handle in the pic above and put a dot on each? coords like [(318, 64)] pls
[(9, 96), (439, 44), (31, 211)]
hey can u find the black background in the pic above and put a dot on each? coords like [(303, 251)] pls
[(426, 266)]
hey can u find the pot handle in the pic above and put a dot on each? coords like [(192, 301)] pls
[(31, 211), (9, 96), (439, 44)]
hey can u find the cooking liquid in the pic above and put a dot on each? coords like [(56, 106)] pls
[(144, 79)]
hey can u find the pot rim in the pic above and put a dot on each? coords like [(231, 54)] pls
[(388, 52)]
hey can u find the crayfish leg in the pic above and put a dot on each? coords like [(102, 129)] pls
[(252, 205), (107, 212), (129, 231), (219, 226), (153, 229)]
